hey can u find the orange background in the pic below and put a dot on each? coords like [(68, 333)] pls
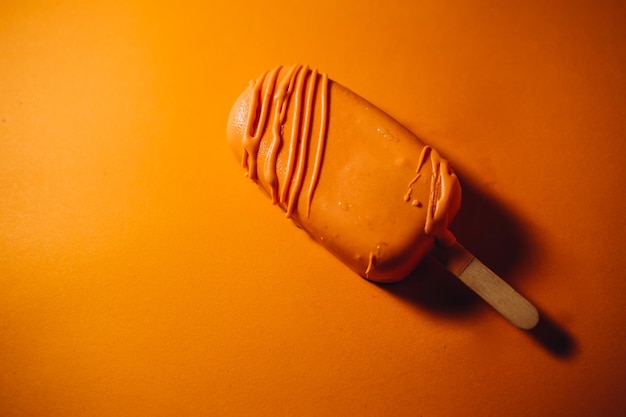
[(142, 275)]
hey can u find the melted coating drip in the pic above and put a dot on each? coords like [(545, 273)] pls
[(418, 174), (295, 131), (304, 143), (281, 99), (440, 195), (256, 125), (371, 264), (441, 186), (407, 196), (298, 90), (321, 142)]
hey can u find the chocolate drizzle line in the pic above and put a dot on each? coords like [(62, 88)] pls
[(300, 89), (441, 186)]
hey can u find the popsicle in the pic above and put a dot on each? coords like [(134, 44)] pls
[(357, 181)]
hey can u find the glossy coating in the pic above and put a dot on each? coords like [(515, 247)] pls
[(356, 180)]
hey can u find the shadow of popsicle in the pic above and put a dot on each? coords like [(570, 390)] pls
[(496, 237), (553, 337)]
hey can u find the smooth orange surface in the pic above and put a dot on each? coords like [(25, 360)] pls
[(141, 274)]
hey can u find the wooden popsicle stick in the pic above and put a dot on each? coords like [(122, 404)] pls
[(489, 286)]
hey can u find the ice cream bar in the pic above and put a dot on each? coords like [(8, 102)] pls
[(356, 180)]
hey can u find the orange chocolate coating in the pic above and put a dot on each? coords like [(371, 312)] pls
[(352, 177)]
